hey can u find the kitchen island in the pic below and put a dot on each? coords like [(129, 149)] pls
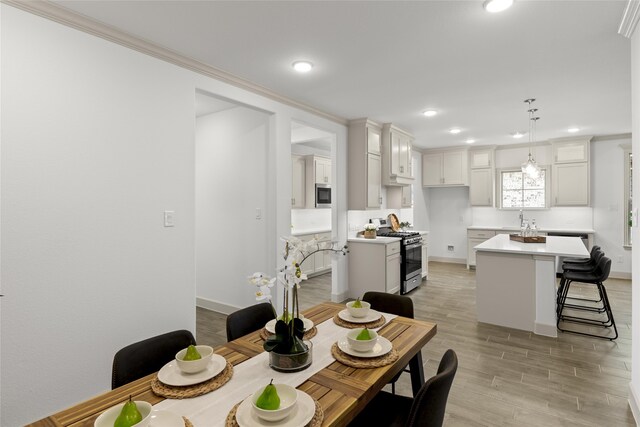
[(516, 282)]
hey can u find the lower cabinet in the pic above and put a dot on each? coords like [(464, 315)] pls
[(320, 262), (474, 238), (374, 266)]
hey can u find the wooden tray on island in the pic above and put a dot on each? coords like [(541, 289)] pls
[(529, 239)]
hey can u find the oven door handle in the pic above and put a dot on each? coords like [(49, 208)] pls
[(414, 245)]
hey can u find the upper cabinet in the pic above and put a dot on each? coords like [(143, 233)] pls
[(298, 188), (481, 173), (322, 168), (444, 168), (318, 171), (396, 156), (365, 165), (570, 177)]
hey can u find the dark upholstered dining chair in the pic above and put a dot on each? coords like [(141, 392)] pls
[(394, 304), (426, 409), (247, 320), (148, 356)]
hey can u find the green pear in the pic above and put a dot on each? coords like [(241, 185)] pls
[(269, 398), (364, 335), (357, 303), (192, 353), (129, 415)]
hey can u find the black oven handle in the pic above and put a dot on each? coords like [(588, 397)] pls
[(414, 245)]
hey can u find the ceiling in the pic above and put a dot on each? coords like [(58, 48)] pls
[(391, 60)]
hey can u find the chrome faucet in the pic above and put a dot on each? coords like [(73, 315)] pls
[(521, 218)]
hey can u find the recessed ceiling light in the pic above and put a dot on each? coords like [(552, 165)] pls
[(302, 66), (517, 135), (455, 130), (470, 141), (573, 130), (430, 113), (495, 6)]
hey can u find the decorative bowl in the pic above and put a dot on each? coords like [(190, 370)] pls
[(108, 417), (362, 346), (359, 312), (194, 366), (288, 398)]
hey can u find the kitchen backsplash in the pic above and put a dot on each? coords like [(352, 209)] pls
[(562, 218), (310, 219), (357, 219)]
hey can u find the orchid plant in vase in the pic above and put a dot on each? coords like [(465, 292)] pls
[(289, 328)]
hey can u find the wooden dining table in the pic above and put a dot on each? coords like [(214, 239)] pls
[(342, 391)]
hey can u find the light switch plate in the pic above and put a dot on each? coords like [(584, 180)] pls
[(169, 218)]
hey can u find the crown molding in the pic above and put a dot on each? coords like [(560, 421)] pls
[(630, 19), (61, 15)]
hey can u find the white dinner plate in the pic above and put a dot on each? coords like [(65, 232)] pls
[(271, 325), (165, 419), (370, 317), (382, 347), (301, 414), (170, 374)]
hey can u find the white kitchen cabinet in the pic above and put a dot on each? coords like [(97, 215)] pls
[(570, 184), (425, 255), (319, 262), (481, 158), (374, 266), (298, 188), (474, 238), (447, 168), (392, 285), (570, 176), (481, 187), (399, 197), (396, 156), (322, 168), (571, 150), (365, 165)]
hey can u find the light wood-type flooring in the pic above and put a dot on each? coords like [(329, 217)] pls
[(505, 377)]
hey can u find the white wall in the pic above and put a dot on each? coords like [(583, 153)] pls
[(97, 141), (420, 196), (608, 203), (310, 219), (231, 184), (634, 396)]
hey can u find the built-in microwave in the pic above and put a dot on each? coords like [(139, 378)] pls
[(323, 196)]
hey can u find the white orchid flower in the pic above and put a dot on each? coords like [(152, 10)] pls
[(261, 279), (263, 293)]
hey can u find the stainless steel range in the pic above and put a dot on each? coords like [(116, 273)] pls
[(411, 254)]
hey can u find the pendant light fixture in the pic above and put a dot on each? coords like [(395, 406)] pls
[(530, 167)]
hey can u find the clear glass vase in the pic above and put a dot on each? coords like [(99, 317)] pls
[(292, 362)]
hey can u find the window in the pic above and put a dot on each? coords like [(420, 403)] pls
[(628, 194), (517, 190)]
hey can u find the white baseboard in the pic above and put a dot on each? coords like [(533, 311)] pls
[(216, 306), (449, 260), (620, 275), (545, 329), (634, 404), (339, 297)]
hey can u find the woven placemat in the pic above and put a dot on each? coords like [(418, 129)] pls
[(375, 324), (316, 421), (359, 362), (187, 423), (264, 334), (185, 392)]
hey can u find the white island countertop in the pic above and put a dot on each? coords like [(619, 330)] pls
[(541, 229), (378, 240), (303, 232), (555, 246)]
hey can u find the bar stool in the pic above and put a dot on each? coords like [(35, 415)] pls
[(596, 277), (594, 249), (581, 266)]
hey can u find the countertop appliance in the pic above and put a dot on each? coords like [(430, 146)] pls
[(411, 254), (323, 195)]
